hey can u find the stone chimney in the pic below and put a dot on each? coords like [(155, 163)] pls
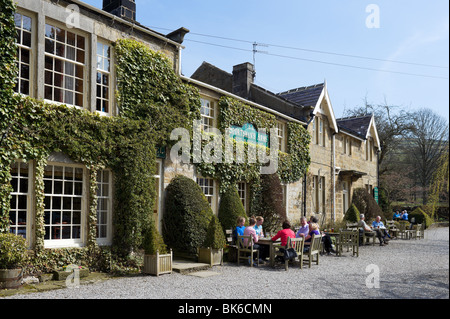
[(125, 9), (243, 76)]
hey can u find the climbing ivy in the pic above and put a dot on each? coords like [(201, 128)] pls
[(291, 166)]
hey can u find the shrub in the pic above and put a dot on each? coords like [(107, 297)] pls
[(352, 214), (187, 215), (420, 217), (153, 242), (13, 251), (270, 202), (366, 204), (230, 208), (215, 237)]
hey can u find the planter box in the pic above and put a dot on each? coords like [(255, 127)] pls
[(210, 256), (156, 265), (11, 278), (62, 275)]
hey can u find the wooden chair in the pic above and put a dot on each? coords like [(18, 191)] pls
[(314, 249), (247, 248), (418, 231), (349, 239), (298, 245), (231, 245), (392, 228), (404, 232)]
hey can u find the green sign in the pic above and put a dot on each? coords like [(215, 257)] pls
[(161, 152), (249, 134), (375, 194)]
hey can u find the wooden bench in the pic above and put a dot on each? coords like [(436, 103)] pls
[(366, 236)]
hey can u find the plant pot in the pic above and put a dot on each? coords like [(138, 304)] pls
[(210, 256), (156, 265), (11, 278)]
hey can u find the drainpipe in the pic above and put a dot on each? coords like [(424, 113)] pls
[(333, 199), (312, 115)]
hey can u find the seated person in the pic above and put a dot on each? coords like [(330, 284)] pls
[(405, 215), (313, 230), (396, 216), (284, 234), (378, 224), (239, 230), (365, 228), (250, 231), (258, 226), (304, 228)]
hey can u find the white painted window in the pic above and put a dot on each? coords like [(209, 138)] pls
[(19, 202), (103, 93), (24, 39), (65, 55), (281, 134), (242, 191), (208, 114), (63, 213), (104, 206), (208, 187)]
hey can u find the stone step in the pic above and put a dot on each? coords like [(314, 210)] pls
[(186, 266)]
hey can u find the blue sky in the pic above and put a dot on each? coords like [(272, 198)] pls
[(413, 31)]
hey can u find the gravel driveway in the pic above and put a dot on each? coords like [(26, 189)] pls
[(404, 269)]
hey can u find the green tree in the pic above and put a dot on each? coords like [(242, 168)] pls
[(230, 208)]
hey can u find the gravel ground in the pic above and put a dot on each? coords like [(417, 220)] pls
[(408, 269)]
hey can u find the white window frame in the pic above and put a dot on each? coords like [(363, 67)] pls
[(20, 48), (78, 242), (159, 179), (209, 185), (242, 191), (100, 69), (106, 198), (15, 194), (66, 77), (281, 135), (208, 120)]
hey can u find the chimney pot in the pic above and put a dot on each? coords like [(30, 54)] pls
[(243, 76), (125, 9)]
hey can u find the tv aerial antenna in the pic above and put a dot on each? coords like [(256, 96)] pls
[(255, 50)]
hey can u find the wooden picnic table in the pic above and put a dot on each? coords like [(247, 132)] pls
[(272, 244)]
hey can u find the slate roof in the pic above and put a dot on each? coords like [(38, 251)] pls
[(304, 96), (358, 125)]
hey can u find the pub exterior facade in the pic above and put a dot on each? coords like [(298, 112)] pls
[(66, 56)]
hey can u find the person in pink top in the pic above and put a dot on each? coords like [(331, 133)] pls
[(284, 234), (250, 231)]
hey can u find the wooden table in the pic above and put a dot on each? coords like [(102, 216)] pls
[(272, 244)]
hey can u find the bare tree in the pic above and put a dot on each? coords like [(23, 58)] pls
[(428, 139), (392, 124)]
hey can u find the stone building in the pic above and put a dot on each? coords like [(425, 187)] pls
[(343, 151), (66, 56)]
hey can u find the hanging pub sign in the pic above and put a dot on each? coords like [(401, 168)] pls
[(249, 134)]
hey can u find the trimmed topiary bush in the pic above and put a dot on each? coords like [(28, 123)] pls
[(366, 204), (215, 237), (230, 209), (420, 217), (187, 215), (352, 214), (153, 242)]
